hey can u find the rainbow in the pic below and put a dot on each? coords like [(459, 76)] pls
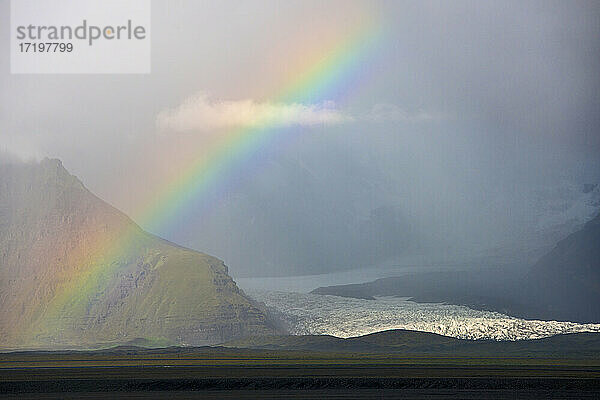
[(328, 78), (333, 77)]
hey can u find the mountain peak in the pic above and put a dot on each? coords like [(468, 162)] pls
[(55, 166), (76, 271)]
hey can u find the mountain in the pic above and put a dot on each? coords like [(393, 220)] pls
[(486, 289), (564, 208), (567, 279), (563, 285), (550, 213), (75, 271)]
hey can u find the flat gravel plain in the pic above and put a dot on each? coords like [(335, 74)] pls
[(220, 373)]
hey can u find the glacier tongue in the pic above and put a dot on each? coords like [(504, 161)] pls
[(346, 317)]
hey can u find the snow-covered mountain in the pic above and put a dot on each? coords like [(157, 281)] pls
[(534, 220), (565, 208)]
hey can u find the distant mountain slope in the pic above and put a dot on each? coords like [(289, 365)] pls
[(563, 285), (489, 289), (76, 271), (567, 279)]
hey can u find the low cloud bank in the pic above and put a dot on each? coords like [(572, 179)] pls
[(199, 113)]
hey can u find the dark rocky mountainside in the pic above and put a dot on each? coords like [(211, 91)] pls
[(566, 281), (76, 272)]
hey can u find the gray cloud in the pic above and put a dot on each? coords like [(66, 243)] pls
[(383, 112), (19, 147), (476, 104)]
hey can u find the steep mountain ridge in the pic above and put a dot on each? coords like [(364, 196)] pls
[(76, 271)]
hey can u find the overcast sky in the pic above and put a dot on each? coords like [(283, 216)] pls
[(456, 111)]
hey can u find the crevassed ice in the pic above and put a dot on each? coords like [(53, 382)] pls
[(345, 317)]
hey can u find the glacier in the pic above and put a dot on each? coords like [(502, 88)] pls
[(313, 314)]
